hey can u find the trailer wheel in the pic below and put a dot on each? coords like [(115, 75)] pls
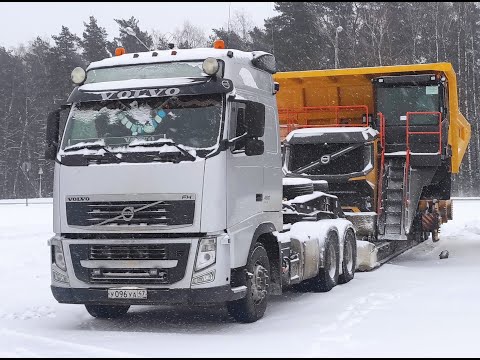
[(349, 262), (327, 276), (253, 305), (107, 311)]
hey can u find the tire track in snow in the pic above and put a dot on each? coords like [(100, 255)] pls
[(339, 330), (68, 348)]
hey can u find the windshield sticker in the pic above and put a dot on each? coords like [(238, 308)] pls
[(431, 90)]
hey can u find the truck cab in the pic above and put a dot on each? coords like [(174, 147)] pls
[(169, 168), (168, 189)]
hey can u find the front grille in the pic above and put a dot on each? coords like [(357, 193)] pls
[(128, 252), (304, 154), (133, 275), (162, 213), (129, 276)]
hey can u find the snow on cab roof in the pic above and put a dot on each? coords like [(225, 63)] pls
[(166, 56)]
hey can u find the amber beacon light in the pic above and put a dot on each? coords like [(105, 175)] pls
[(219, 44), (120, 51)]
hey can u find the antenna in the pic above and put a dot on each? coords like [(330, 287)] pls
[(273, 43), (131, 32), (228, 24)]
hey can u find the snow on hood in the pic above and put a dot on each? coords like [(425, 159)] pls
[(296, 181), (163, 147), (307, 197), (329, 130)]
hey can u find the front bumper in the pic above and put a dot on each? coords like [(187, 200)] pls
[(206, 296)]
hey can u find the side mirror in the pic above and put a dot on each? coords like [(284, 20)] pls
[(276, 87), (255, 119), (254, 147), (53, 124)]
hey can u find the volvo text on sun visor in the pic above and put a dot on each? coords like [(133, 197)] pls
[(206, 87)]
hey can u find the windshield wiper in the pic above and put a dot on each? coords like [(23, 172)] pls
[(93, 147), (169, 142)]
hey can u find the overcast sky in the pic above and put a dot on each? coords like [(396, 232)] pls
[(23, 21)]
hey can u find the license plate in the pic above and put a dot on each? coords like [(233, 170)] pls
[(127, 294)]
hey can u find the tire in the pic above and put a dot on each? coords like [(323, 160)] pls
[(327, 276), (107, 311), (252, 307), (349, 262)]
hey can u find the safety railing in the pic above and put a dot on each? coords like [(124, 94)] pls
[(382, 165), (324, 116), (408, 150)]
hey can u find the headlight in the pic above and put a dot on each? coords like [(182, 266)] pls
[(210, 66), (206, 254), (78, 75), (58, 257)]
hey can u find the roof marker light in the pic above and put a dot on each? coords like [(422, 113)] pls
[(219, 44), (120, 51)]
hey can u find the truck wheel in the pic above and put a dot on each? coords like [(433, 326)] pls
[(349, 262), (107, 311), (253, 305), (327, 276)]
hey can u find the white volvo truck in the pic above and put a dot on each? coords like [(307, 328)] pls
[(168, 189)]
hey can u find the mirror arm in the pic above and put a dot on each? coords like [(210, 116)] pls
[(235, 139)]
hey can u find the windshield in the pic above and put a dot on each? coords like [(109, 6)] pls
[(193, 122), (145, 71), (395, 102)]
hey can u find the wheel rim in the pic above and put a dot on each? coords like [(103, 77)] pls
[(259, 283), (348, 256), (333, 262)]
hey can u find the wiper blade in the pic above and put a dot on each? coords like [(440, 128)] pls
[(169, 142), (93, 147)]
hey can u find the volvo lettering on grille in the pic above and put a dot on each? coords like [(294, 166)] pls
[(144, 210)]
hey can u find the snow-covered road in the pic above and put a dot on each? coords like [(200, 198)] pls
[(417, 305)]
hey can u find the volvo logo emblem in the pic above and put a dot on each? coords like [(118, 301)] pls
[(127, 213), (325, 159), (225, 84)]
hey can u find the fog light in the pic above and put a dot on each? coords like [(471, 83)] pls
[(96, 272), (204, 278), (59, 277), (153, 272)]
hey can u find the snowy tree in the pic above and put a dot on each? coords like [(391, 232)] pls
[(189, 36), (129, 42), (94, 42)]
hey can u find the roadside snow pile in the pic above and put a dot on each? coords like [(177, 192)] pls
[(455, 229), (466, 220)]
